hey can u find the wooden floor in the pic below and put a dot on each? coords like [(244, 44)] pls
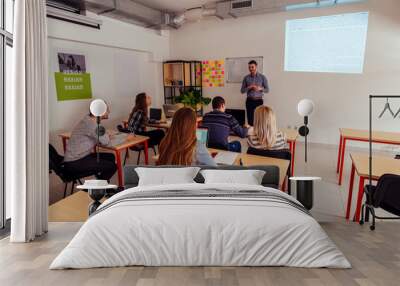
[(375, 257)]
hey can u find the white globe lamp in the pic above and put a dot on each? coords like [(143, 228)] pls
[(305, 107), (98, 108)]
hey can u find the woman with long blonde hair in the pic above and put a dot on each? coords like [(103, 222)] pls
[(265, 134), (179, 146)]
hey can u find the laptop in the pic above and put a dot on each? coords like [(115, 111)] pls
[(202, 135), (170, 109), (238, 114), (155, 114)]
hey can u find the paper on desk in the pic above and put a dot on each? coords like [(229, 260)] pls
[(225, 158), (118, 139)]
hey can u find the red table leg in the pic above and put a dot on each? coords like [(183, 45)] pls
[(64, 142), (293, 157), (359, 199), (342, 161), (119, 168), (350, 194), (339, 153), (146, 152)]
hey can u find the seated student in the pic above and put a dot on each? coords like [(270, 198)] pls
[(265, 134), (180, 146), (79, 155), (138, 119), (220, 125)]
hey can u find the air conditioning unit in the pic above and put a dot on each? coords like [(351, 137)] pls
[(241, 4), (72, 17)]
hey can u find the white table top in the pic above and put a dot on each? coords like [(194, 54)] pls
[(305, 178)]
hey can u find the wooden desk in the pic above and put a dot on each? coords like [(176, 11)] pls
[(360, 164), (117, 149), (253, 160), (162, 125), (346, 134)]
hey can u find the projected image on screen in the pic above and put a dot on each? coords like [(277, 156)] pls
[(327, 44)]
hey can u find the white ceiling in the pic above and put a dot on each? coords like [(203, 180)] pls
[(173, 5)]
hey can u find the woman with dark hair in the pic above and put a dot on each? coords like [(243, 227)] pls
[(180, 146), (138, 119)]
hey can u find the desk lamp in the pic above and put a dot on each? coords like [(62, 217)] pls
[(305, 108)]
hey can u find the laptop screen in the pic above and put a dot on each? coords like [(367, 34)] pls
[(155, 113), (238, 114), (202, 135)]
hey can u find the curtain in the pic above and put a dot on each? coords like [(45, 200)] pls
[(27, 124)]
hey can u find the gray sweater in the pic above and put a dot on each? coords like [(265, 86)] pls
[(83, 140)]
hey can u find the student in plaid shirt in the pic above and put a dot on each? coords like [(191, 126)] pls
[(138, 119)]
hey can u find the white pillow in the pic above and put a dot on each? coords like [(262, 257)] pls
[(248, 177), (166, 176)]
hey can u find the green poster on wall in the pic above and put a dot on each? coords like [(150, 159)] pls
[(71, 86)]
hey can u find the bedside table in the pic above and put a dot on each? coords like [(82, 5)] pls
[(305, 190)]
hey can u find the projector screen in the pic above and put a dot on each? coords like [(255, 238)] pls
[(333, 44)]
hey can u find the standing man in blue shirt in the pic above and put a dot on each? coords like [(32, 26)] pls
[(254, 85)]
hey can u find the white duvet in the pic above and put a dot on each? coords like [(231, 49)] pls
[(200, 232)]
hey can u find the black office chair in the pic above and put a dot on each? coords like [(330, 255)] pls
[(278, 154), (136, 148), (385, 195), (56, 164)]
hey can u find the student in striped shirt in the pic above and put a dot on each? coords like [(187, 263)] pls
[(265, 134), (221, 125)]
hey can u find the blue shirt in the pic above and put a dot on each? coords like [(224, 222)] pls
[(220, 125), (257, 79)]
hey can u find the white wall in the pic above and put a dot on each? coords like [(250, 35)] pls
[(341, 99), (105, 51)]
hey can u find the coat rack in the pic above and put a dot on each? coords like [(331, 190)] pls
[(387, 107)]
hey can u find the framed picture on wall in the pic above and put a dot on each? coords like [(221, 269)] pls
[(70, 63), (72, 78)]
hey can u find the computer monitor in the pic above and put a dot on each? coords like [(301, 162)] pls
[(170, 109), (155, 113), (238, 114), (202, 135)]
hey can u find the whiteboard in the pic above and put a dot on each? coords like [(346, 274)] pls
[(127, 66), (237, 68)]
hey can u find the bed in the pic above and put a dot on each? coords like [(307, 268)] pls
[(197, 224)]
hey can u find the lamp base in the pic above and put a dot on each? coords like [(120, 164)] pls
[(304, 131)]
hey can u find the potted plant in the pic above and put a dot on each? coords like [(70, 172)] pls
[(192, 98)]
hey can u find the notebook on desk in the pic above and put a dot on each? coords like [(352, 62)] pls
[(225, 158)]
